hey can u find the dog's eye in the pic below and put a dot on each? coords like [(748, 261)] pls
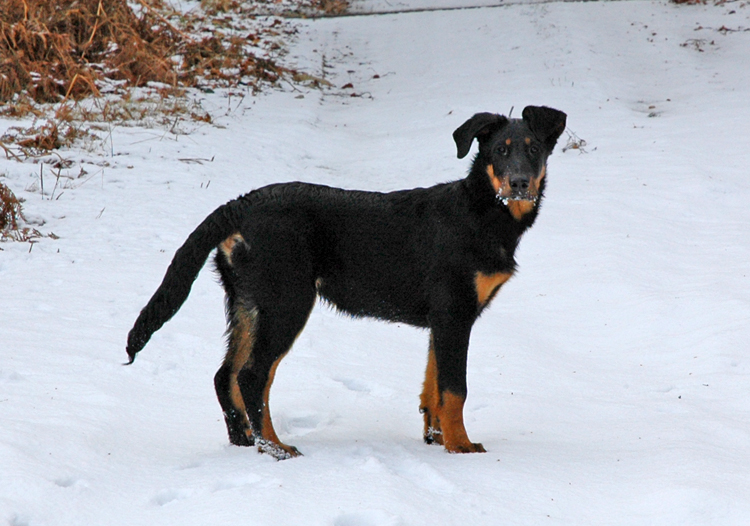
[(502, 150), (533, 149)]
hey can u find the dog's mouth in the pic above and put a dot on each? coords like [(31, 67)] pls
[(510, 188), (523, 190), (506, 199)]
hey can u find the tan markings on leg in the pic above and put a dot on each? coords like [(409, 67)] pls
[(267, 432), (487, 285), (429, 400), (241, 341), (455, 438), (228, 244), (270, 442)]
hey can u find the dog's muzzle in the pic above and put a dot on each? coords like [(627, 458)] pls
[(517, 189)]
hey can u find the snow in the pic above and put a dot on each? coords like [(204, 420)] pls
[(608, 381)]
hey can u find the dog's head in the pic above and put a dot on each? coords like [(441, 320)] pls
[(513, 152)]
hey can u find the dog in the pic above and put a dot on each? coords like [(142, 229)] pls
[(429, 257)]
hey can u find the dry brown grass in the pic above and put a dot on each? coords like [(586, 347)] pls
[(287, 8), (77, 66), (12, 221), (72, 52), (55, 50), (10, 209)]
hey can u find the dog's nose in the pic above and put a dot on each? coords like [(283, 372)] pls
[(519, 184)]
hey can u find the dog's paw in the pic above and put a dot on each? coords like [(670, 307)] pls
[(469, 447), (278, 451), (241, 438), (433, 436)]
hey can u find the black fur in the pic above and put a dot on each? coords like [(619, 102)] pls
[(410, 256)]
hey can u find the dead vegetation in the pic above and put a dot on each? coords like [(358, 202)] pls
[(55, 50), (285, 8), (58, 50), (130, 57), (575, 143), (75, 68), (12, 222), (70, 63)]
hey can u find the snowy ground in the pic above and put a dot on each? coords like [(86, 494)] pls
[(610, 380)]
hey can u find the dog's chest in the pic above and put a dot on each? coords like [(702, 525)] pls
[(495, 253)]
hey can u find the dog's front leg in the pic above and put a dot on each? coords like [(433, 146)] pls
[(445, 389)]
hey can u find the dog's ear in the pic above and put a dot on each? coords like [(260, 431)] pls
[(480, 126), (546, 123)]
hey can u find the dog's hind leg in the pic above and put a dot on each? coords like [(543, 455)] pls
[(241, 337), (277, 332), (242, 318), (270, 293)]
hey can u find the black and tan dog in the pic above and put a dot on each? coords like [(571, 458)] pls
[(430, 257)]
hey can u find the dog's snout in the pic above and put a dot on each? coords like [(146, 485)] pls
[(519, 184)]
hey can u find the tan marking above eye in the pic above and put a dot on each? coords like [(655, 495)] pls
[(527, 140), (508, 141)]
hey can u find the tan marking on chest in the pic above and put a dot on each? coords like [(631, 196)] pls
[(228, 244), (487, 285)]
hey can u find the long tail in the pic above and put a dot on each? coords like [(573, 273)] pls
[(185, 266)]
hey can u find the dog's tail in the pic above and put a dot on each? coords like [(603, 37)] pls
[(185, 266)]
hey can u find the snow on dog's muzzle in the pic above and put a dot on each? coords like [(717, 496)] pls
[(507, 199), (516, 188)]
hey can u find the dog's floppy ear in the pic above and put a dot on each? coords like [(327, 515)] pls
[(479, 126), (546, 123)]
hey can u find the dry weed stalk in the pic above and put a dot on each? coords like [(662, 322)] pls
[(12, 220), (10, 209)]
